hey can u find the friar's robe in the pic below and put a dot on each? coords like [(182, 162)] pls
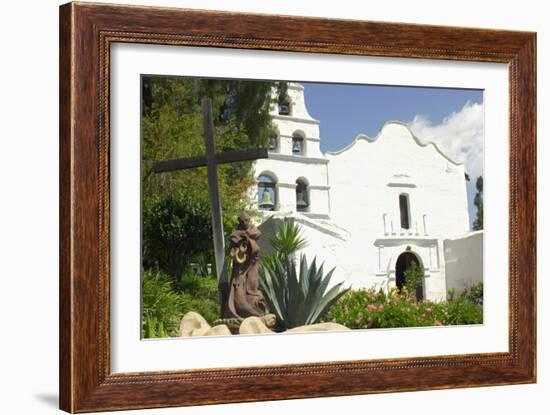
[(245, 298)]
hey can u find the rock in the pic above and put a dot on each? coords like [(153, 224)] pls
[(232, 323), (318, 327), (193, 324), (269, 320), (253, 325), (219, 330)]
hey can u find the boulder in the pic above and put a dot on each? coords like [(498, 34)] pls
[(253, 325), (193, 324), (269, 320), (318, 327), (232, 324), (219, 330)]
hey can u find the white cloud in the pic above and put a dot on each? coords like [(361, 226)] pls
[(459, 136)]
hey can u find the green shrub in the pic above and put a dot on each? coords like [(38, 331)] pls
[(200, 294), (414, 275), (164, 302), (464, 311), (201, 287), (368, 308), (474, 293), (161, 305)]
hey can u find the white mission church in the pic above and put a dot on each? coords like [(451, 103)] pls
[(371, 208)]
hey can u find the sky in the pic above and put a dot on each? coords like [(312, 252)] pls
[(451, 118)]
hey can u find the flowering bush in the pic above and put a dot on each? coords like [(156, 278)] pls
[(368, 308)]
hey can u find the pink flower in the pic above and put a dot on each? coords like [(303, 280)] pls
[(369, 319), (437, 323), (370, 307), (429, 309)]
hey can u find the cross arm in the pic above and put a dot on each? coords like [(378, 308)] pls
[(200, 161)]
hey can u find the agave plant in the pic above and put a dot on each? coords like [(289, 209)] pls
[(297, 297)]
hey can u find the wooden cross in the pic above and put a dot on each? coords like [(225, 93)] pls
[(210, 160)]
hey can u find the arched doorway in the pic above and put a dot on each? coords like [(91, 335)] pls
[(405, 261)]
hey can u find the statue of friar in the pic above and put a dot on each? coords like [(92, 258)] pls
[(245, 299)]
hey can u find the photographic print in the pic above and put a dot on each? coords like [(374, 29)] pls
[(284, 207)]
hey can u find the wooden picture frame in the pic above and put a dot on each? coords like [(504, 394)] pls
[(86, 33)]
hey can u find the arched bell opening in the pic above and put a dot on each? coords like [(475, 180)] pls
[(285, 107), (302, 195), (267, 192), (298, 144), (273, 141)]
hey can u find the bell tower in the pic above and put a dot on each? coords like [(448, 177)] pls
[(294, 179)]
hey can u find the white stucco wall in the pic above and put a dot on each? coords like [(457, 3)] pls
[(353, 220), (366, 179), (464, 261), (377, 171), (326, 242)]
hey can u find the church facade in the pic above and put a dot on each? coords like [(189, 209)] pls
[(370, 209)]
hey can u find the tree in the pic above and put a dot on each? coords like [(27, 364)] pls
[(478, 202), (176, 216)]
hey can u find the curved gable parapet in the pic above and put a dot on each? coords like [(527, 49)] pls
[(388, 124)]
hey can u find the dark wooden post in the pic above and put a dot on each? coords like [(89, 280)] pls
[(217, 220)]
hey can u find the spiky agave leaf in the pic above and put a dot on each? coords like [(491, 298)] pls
[(272, 283), (298, 297)]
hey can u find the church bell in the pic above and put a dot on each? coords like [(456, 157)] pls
[(296, 146), (300, 201), (272, 142), (266, 202)]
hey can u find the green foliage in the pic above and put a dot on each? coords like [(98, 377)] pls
[(474, 293), (285, 242), (463, 311), (297, 297), (288, 239), (177, 230), (161, 305), (361, 309), (451, 294), (165, 301), (414, 275), (478, 202), (176, 206), (201, 295)]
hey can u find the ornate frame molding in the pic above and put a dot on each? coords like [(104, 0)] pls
[(86, 33)]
